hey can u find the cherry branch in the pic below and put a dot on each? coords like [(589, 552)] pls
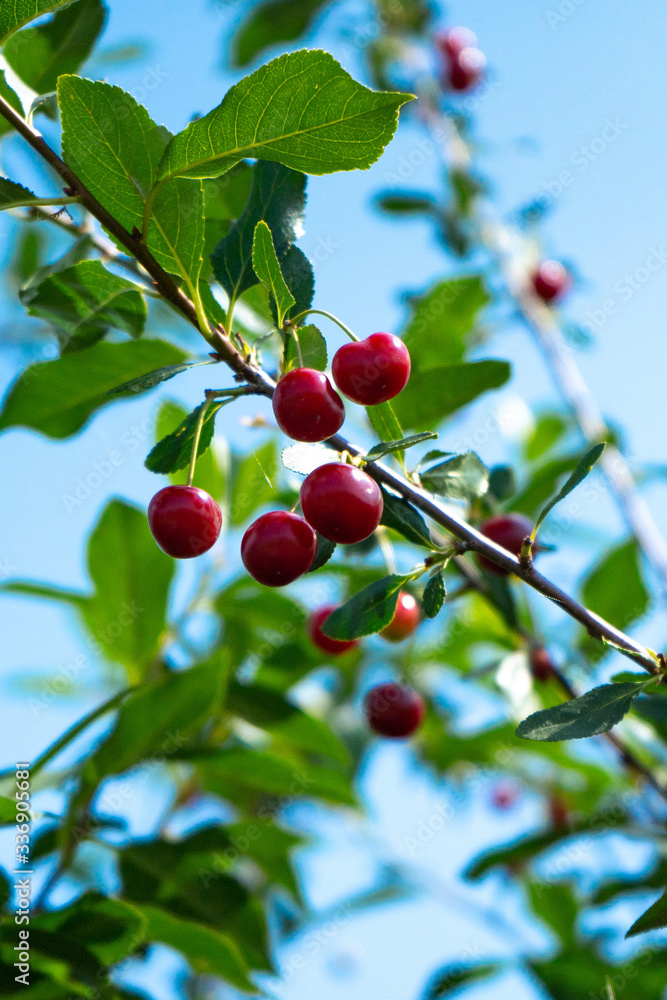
[(469, 537), (504, 242)]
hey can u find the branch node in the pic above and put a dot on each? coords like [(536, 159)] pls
[(136, 234), (70, 192)]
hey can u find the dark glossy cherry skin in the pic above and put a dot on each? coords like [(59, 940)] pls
[(334, 647), (455, 40), (306, 406), (405, 620), (184, 521), (393, 710), (372, 371), (278, 548), (508, 530), (550, 280), (341, 502), (541, 664), (466, 69)]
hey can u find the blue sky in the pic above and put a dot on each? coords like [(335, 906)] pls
[(575, 107)]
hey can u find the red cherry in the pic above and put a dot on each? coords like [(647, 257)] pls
[(333, 646), (341, 502), (541, 664), (550, 280), (394, 710), (373, 370), (184, 520), (504, 797), (306, 406), (278, 547), (466, 69), (455, 40), (405, 620), (508, 530)]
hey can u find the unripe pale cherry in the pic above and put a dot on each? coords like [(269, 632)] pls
[(341, 502), (504, 796), (405, 620), (306, 406), (278, 548), (466, 69), (550, 280), (455, 40), (508, 530), (184, 521), (372, 371), (334, 647), (394, 710)]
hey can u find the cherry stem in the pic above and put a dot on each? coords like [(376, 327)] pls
[(291, 332), (195, 444), (334, 319)]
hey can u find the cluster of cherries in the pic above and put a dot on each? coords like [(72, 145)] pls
[(463, 63)]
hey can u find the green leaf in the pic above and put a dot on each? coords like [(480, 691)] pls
[(110, 929), (542, 484), (84, 302), (387, 447), (584, 466), (652, 920), (58, 397), (548, 431), (175, 451), (434, 595), (437, 333), (207, 950), (132, 576), (448, 980), (267, 268), (368, 611), (159, 719), (40, 55), (269, 710), (325, 550), (14, 15), (302, 110), (595, 712), (300, 277), (210, 472), (313, 349), (113, 145), (402, 517), (152, 379), (601, 592), (12, 98), (7, 810), (383, 421), (278, 197), (434, 394), (462, 477), (502, 482), (407, 203), (270, 24), (252, 483), (12, 194)]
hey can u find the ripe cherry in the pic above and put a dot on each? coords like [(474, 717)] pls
[(306, 406), (559, 811), (278, 547), (508, 530), (372, 371), (466, 69), (184, 520), (455, 40), (550, 280), (405, 620), (332, 646), (541, 664), (393, 710), (341, 502)]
